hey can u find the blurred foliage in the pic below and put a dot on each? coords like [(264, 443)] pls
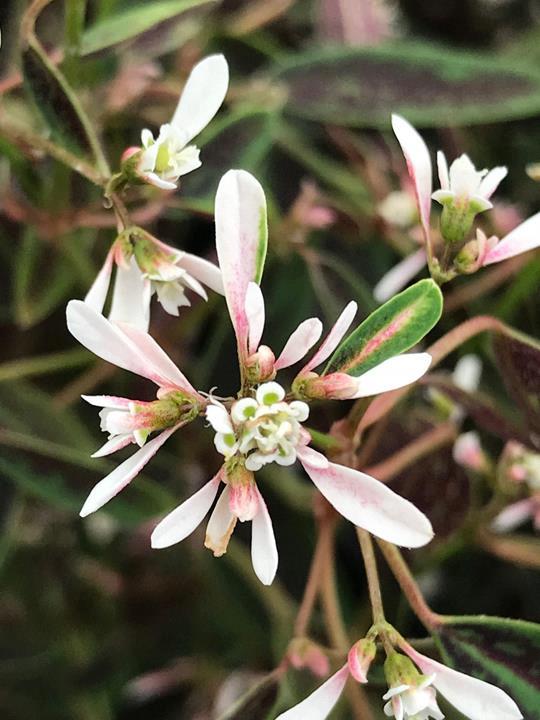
[(95, 625)]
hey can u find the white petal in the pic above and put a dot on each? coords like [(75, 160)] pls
[(206, 272), (269, 393), (369, 504), (492, 180), (126, 347), (182, 521), (418, 164), (97, 294), (123, 474), (202, 96), (241, 239), (311, 457), (154, 179), (399, 276), (300, 342), (219, 419), (467, 373), (442, 167), (321, 702), (333, 338), (108, 401), (264, 554), (523, 238), (476, 699), (396, 372), (112, 445), (131, 297), (255, 316), (220, 526)]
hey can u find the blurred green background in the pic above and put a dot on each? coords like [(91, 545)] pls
[(96, 625)]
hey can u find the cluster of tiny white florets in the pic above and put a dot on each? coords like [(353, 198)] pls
[(264, 429), (168, 156)]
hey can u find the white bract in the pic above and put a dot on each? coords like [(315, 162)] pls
[(264, 429), (163, 160)]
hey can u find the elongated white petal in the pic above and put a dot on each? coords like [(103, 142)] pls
[(241, 241), (131, 297), (300, 342), (264, 554), (113, 445), (311, 457), (321, 702), (442, 167), (124, 473), (182, 521), (476, 699), (154, 179), (369, 504), (333, 338), (467, 373), (107, 401), (219, 419), (513, 516), (255, 316), (97, 294), (491, 182), (170, 375), (221, 525), (126, 347), (523, 238), (204, 271), (399, 276), (202, 96), (419, 166), (393, 373)]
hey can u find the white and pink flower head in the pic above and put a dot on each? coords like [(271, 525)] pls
[(163, 160), (414, 682)]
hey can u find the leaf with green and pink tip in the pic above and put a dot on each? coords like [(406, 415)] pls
[(392, 329)]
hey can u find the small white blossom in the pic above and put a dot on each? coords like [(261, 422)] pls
[(413, 702), (398, 209), (264, 429), (464, 184)]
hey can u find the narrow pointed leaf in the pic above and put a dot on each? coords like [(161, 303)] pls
[(392, 329)]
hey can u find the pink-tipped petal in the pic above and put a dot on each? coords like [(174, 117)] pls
[(513, 515), (120, 346), (97, 294), (476, 699), (202, 96), (124, 473), (321, 702), (170, 375), (204, 271), (369, 504), (394, 373), (107, 401), (113, 445), (255, 316), (184, 519), (300, 342), (419, 166), (491, 182), (333, 338), (399, 276), (523, 238), (264, 554), (241, 241), (131, 297)]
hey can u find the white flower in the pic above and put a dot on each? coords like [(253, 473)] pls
[(464, 184), (263, 429), (163, 160), (398, 209), (414, 702)]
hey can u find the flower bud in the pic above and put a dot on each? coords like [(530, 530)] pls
[(336, 386), (304, 653), (518, 464), (243, 495), (469, 454), (400, 670), (260, 365), (360, 657)]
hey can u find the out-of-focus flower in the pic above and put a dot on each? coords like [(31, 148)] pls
[(412, 692), (398, 209), (144, 266), (163, 160), (519, 466), (468, 453)]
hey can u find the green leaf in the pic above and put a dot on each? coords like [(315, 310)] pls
[(503, 652), (429, 85), (54, 99), (392, 329), (133, 22)]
